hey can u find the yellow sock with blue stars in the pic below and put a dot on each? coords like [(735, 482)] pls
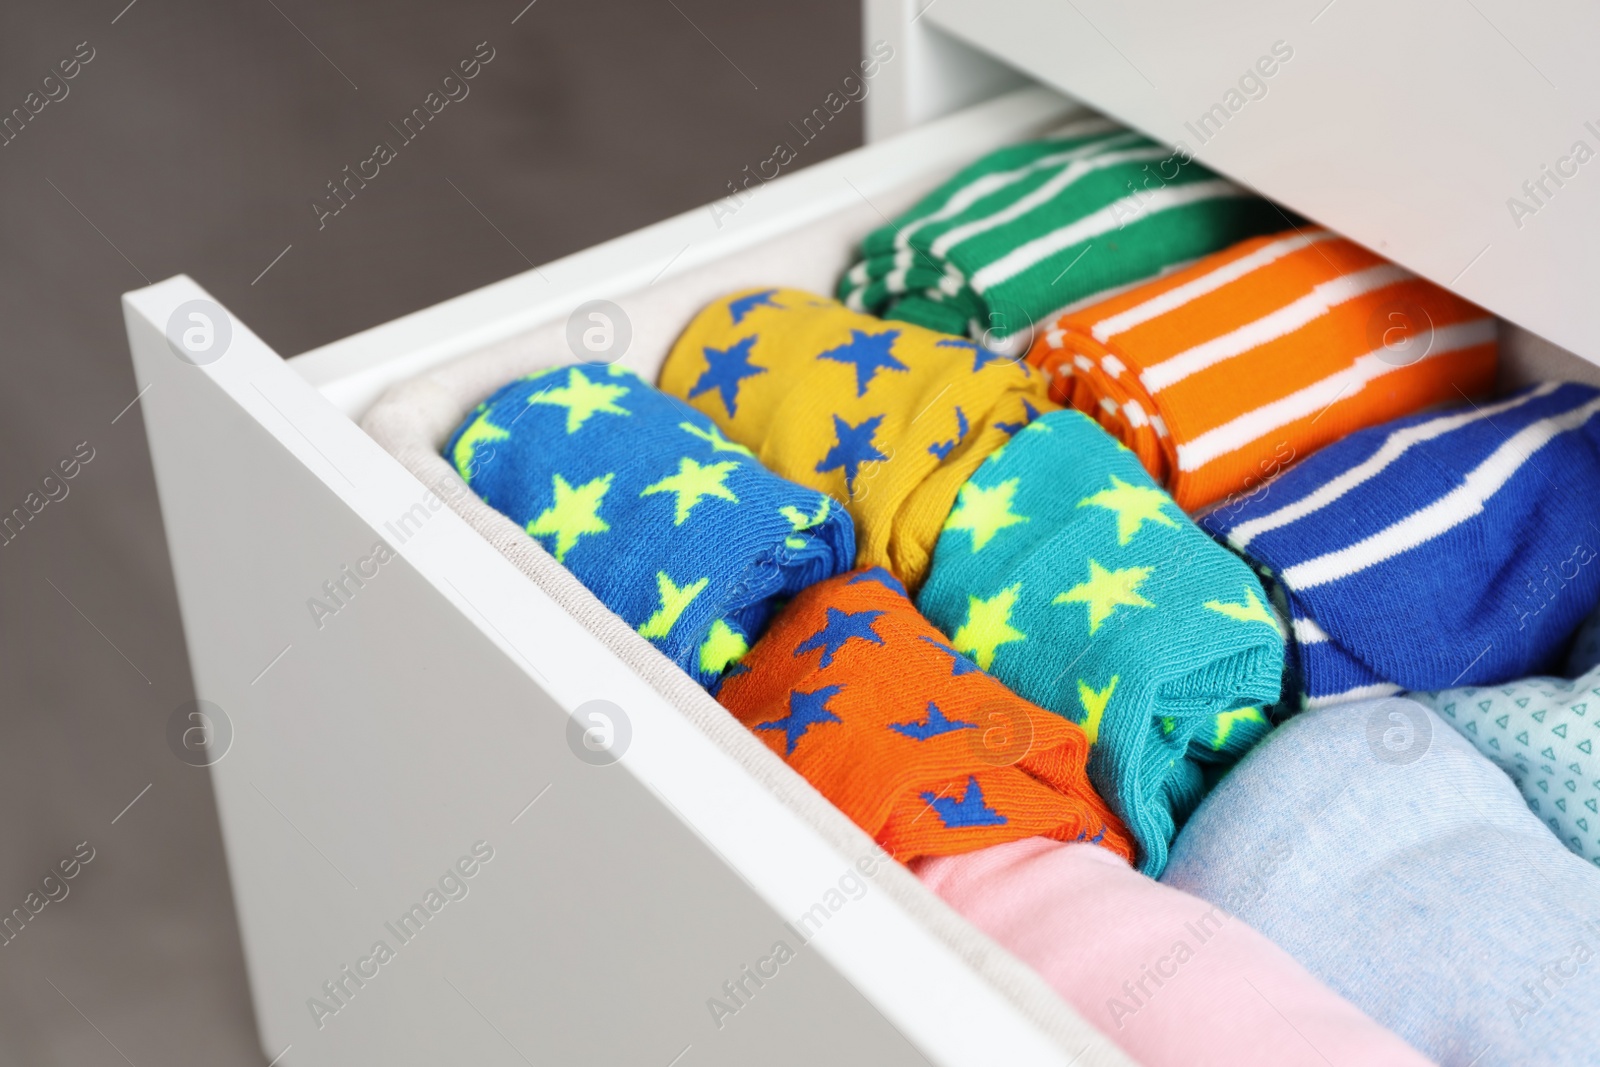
[(888, 417)]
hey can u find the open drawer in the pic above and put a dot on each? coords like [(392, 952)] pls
[(392, 696), (360, 753)]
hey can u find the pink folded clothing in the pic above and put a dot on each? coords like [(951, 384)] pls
[(1174, 980)]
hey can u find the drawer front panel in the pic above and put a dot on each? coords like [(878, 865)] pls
[(423, 715), (1442, 135), (390, 738)]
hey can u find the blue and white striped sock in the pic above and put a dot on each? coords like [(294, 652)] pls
[(1450, 548)]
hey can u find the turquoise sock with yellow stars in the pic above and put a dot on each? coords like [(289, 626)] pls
[(677, 530), (1071, 577)]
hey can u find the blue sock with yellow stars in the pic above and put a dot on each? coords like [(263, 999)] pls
[(677, 530)]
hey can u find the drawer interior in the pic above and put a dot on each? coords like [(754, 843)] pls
[(805, 241), (800, 231)]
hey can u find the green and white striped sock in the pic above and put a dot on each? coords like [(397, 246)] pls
[(1034, 228)]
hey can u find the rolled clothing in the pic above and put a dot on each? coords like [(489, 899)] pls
[(1081, 585), (1222, 374), (1377, 847), (1031, 229), (889, 418), (924, 751), (1173, 980), (1540, 731), (1415, 555), (677, 530)]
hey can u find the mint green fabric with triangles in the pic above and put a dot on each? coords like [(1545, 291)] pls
[(1543, 732), (1068, 574)]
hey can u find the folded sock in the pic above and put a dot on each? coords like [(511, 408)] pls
[(1398, 865), (1032, 228), (889, 417), (1173, 980), (1415, 555), (1067, 573), (1541, 732), (676, 529), (1223, 373), (924, 751)]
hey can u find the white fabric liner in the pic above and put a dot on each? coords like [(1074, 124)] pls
[(413, 420)]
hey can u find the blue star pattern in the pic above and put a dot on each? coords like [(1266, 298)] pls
[(937, 723), (725, 369), (868, 353), (1029, 413), (745, 304), (960, 665), (970, 810), (942, 449), (840, 628), (805, 711), (882, 577), (853, 448), (981, 357)]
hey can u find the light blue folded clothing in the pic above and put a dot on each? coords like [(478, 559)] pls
[(1376, 846), (1541, 731)]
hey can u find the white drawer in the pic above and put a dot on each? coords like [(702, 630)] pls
[(1442, 135), (373, 746)]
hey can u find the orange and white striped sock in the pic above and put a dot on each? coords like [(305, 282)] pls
[(1220, 375)]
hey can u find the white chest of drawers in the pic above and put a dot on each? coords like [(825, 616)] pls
[(374, 746)]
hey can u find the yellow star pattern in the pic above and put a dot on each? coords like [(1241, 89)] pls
[(1228, 719), (714, 438), (723, 647), (582, 398), (1134, 505), (574, 512), (801, 521), (1105, 591), (693, 483), (988, 626), (984, 512), (1094, 705), (480, 432), (674, 600), (1252, 610)]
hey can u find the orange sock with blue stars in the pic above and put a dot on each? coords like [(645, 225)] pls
[(887, 417), (921, 748)]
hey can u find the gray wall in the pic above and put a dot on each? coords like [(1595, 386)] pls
[(194, 141)]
